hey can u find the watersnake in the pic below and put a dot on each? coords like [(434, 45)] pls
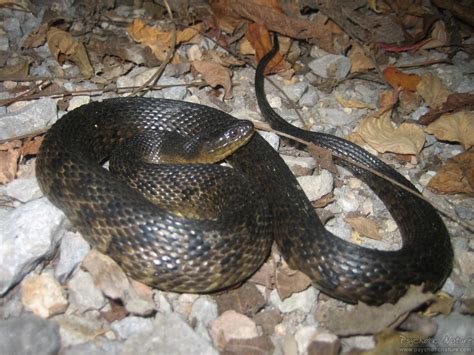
[(257, 201)]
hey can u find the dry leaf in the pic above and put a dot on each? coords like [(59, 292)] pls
[(456, 102), (398, 79), (259, 38), (215, 75), (364, 226), (159, 41), (22, 5), (61, 44), (18, 70), (439, 37), (363, 319), (442, 304), (383, 136), (360, 62), (9, 155), (456, 127), (455, 176), (432, 90), (37, 37), (352, 103), (231, 14)]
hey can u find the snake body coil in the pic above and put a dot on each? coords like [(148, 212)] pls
[(173, 252)]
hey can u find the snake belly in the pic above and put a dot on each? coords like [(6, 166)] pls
[(174, 253)]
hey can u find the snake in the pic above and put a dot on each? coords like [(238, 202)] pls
[(194, 226)]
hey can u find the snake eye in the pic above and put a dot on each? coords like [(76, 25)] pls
[(233, 133)]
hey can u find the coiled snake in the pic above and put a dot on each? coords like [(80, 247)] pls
[(242, 209)]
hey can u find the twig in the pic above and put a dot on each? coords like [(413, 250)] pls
[(264, 126), (93, 92)]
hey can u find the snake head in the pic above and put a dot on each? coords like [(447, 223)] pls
[(218, 143)]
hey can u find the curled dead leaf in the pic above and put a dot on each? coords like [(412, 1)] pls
[(360, 61), (18, 70), (215, 75), (382, 135), (456, 127), (364, 319), (9, 155), (159, 41), (259, 37), (61, 43), (432, 90), (364, 226), (455, 176)]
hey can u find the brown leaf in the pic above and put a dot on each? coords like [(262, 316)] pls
[(455, 176), (269, 13), (363, 319), (398, 79), (456, 102), (364, 226), (36, 38), (383, 136), (62, 43), (245, 299), (259, 38), (261, 345), (288, 281), (456, 127), (360, 61), (438, 38), (323, 158), (442, 304), (159, 41), (9, 155), (215, 75), (18, 70), (432, 90)]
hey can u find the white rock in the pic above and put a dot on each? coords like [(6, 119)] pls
[(29, 234), (316, 186), (271, 138), (302, 301), (170, 335), (34, 116), (331, 65), (72, 251), (128, 326), (78, 101), (83, 294), (232, 325), (23, 190), (304, 336)]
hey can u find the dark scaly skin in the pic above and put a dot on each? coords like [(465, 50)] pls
[(171, 252), (342, 269)]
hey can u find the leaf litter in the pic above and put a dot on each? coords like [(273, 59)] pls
[(337, 27)]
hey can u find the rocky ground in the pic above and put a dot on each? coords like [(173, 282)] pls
[(59, 295)]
